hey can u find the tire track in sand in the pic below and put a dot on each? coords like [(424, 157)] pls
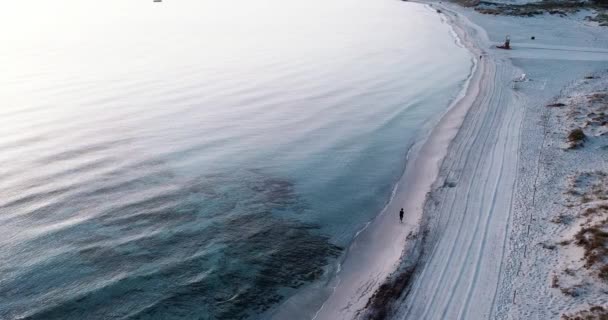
[(488, 118), (489, 218), (477, 206), (431, 289)]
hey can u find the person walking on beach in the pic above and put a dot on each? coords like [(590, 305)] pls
[(401, 216)]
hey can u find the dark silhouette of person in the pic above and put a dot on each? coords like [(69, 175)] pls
[(401, 216)]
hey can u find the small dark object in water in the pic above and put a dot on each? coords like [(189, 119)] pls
[(533, 37), (438, 11), (556, 105)]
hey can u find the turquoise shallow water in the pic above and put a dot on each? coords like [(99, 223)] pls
[(202, 159)]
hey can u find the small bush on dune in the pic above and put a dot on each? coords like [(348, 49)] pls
[(603, 273), (555, 105), (595, 242), (593, 313), (589, 211), (572, 292), (576, 135), (601, 2), (555, 282)]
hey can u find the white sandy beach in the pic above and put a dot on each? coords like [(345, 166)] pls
[(486, 262), (480, 167)]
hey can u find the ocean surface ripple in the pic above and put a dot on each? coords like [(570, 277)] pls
[(202, 159)]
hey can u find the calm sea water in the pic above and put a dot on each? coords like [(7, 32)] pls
[(202, 159)]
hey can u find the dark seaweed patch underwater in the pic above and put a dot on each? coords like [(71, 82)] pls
[(223, 246)]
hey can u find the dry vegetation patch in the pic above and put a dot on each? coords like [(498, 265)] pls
[(595, 242), (579, 229), (576, 137), (601, 18), (561, 8), (593, 313), (585, 116), (585, 245), (587, 196), (552, 7)]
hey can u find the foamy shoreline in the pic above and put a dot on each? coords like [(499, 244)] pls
[(435, 148), (468, 189), (462, 255), (376, 252)]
